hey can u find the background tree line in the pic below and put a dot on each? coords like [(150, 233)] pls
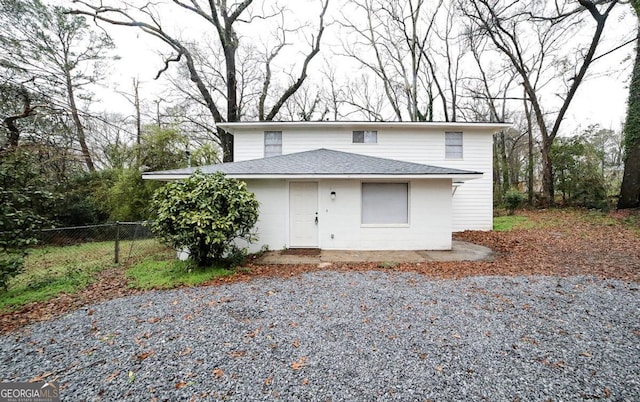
[(417, 60)]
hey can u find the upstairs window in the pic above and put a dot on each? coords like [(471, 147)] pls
[(453, 145), (272, 143), (365, 137)]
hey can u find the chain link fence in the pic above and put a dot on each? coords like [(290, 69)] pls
[(121, 241)]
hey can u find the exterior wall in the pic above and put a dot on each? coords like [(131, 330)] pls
[(472, 202), (429, 225)]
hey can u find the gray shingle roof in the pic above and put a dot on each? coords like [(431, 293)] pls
[(318, 162)]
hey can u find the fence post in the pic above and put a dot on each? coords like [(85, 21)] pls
[(117, 247)]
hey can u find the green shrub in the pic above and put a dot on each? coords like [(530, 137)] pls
[(10, 265), (236, 257), (24, 204), (513, 200), (204, 214)]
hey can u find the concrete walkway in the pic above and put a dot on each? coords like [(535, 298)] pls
[(462, 251)]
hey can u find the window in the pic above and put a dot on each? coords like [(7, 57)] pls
[(385, 203), (453, 145), (272, 143), (365, 137)]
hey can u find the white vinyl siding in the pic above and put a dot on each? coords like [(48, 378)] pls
[(453, 145), (365, 137), (272, 143), (472, 202), (385, 203)]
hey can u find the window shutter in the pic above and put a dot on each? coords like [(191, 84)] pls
[(385, 203)]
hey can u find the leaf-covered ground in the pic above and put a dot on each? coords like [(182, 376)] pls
[(553, 243)]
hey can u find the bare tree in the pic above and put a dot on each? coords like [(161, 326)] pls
[(413, 50), (53, 55), (223, 18), (113, 137), (533, 37)]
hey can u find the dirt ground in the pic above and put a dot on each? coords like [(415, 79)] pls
[(562, 243)]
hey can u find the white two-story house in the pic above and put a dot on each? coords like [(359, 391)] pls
[(362, 185)]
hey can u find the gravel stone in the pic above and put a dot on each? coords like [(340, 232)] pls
[(345, 336)]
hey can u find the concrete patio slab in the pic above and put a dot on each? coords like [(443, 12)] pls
[(461, 251)]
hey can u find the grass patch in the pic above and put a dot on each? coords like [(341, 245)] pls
[(163, 274), (510, 222), (49, 271), (41, 291)]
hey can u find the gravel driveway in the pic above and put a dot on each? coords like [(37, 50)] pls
[(346, 336)]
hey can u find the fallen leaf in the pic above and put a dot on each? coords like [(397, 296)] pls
[(144, 355), (111, 376), (153, 320), (253, 333), (238, 353), (91, 311), (267, 381), (132, 376), (585, 354), (41, 377), (305, 381), (302, 362), (439, 368), (185, 352), (218, 373), (181, 384), (296, 343)]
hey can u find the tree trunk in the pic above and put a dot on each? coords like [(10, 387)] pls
[(497, 181), (548, 190), (136, 104), (506, 184), (527, 113), (227, 145), (630, 188), (76, 121), (10, 121)]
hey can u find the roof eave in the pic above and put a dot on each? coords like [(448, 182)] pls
[(236, 126), (452, 176)]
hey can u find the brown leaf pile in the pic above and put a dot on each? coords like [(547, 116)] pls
[(563, 243)]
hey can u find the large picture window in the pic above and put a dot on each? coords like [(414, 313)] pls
[(272, 143), (453, 145), (365, 137), (385, 203)]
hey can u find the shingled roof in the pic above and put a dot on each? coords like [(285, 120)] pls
[(318, 163)]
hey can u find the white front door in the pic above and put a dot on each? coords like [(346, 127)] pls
[(303, 214)]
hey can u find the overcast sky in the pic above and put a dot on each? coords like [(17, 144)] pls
[(600, 100)]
